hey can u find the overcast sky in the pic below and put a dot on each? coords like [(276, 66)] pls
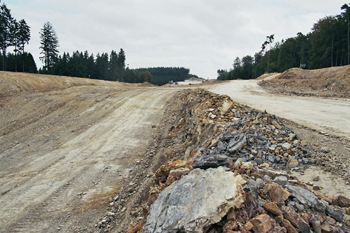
[(202, 35)]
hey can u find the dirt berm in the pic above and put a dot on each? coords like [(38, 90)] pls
[(327, 82)]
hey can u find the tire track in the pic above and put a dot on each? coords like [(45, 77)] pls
[(42, 194)]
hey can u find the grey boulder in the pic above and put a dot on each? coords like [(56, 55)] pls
[(198, 200), (210, 160)]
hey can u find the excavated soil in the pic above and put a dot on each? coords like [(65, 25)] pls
[(80, 155), (66, 149), (327, 82)]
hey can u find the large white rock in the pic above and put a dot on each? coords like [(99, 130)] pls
[(198, 200)]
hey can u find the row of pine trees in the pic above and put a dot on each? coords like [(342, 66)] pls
[(16, 34), (327, 45), (112, 67), (82, 64)]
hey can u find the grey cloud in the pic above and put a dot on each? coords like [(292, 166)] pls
[(202, 35)]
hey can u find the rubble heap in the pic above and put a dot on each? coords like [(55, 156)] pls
[(259, 151), (268, 201), (258, 137)]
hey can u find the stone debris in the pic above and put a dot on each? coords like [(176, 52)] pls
[(250, 144), (271, 203), (261, 138), (211, 161), (198, 200)]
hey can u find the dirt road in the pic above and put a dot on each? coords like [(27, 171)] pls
[(64, 153), (327, 115)]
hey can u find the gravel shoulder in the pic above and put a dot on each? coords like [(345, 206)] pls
[(327, 115), (324, 123)]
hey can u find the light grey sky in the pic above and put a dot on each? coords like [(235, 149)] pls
[(202, 35)]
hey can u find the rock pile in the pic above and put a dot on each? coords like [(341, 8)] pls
[(258, 137), (252, 146), (264, 201)]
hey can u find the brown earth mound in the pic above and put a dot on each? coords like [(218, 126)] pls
[(12, 83), (327, 82)]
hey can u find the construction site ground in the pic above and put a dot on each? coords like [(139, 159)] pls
[(71, 148)]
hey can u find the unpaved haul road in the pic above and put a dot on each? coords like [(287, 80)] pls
[(64, 153), (328, 115)]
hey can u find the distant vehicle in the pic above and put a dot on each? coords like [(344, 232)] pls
[(171, 82), (176, 83)]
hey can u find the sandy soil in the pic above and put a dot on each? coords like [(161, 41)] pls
[(65, 153)]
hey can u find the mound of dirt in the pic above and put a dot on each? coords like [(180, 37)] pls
[(13, 83), (146, 84), (327, 82)]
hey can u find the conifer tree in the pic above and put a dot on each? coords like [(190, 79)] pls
[(5, 34), (49, 45), (23, 36)]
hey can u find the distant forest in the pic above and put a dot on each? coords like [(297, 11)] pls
[(23, 62), (328, 44), (112, 68), (82, 64), (162, 75), (16, 34)]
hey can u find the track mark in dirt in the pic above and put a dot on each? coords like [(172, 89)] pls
[(64, 181)]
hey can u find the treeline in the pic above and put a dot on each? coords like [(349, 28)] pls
[(23, 62), (162, 75), (13, 34), (328, 44), (104, 66), (82, 64), (112, 68)]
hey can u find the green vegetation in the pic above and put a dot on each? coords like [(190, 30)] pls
[(328, 44), (162, 75), (112, 67), (79, 64), (15, 34), (48, 45), (25, 62), (106, 67)]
